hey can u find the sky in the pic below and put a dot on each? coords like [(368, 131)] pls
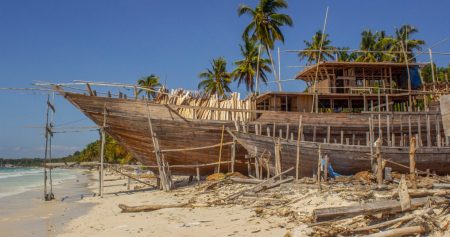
[(122, 41)]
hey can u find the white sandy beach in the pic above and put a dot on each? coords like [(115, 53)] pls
[(248, 218), (106, 219)]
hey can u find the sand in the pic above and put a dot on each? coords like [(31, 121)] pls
[(249, 218)]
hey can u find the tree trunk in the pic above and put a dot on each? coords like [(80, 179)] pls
[(273, 69)]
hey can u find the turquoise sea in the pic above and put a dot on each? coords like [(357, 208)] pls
[(18, 180)]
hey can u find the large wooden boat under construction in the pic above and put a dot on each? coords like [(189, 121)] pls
[(345, 159), (189, 129)]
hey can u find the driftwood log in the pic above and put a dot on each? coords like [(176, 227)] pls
[(147, 208), (441, 186), (399, 232), (245, 181), (392, 222), (389, 206)]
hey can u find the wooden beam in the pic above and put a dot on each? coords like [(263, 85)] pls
[(412, 162), (299, 132)]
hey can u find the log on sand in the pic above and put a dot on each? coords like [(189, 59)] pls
[(389, 206), (400, 232), (147, 208)]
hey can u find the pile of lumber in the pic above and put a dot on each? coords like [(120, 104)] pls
[(406, 211), (183, 97)]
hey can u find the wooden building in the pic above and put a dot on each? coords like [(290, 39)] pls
[(350, 87)]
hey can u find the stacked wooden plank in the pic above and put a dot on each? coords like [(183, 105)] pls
[(183, 97)]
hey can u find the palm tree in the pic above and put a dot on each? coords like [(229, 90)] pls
[(402, 42), (151, 83), (265, 25), (217, 79), (368, 43), (343, 55), (312, 49), (246, 68)]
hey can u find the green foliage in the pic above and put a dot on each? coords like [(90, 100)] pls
[(439, 73), (266, 21), (313, 47), (246, 68), (114, 152), (149, 82), (403, 42), (344, 56), (394, 46), (216, 80)]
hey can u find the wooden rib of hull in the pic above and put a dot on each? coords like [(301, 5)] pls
[(345, 159)]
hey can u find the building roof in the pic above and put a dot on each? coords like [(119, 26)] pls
[(309, 72)]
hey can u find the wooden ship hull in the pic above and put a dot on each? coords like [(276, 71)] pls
[(345, 159), (185, 143), (188, 141)]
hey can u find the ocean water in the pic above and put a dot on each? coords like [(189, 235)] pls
[(18, 180)]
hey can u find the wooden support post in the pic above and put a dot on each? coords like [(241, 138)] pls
[(388, 128), (342, 137), (249, 167), (353, 139), (165, 183), (432, 69), (325, 169), (412, 162), (438, 130), (299, 132), (277, 157), (365, 102), (401, 130), (287, 131), (393, 139), (102, 151), (268, 131), (328, 134), (379, 164), (280, 133), (197, 169), (347, 141), (371, 141), (314, 134), (409, 127), (428, 130), (319, 165), (274, 130), (419, 131), (233, 155), (257, 174), (220, 149), (89, 89)]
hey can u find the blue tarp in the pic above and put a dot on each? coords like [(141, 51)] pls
[(415, 77), (330, 170), (414, 73)]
